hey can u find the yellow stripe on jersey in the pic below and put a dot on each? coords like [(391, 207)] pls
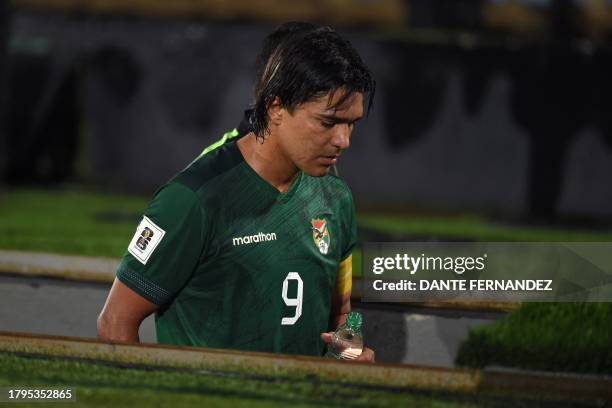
[(344, 276)]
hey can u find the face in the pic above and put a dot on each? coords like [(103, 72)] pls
[(313, 136)]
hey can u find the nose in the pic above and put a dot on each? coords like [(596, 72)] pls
[(342, 136)]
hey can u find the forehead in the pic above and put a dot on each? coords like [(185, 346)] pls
[(328, 105)]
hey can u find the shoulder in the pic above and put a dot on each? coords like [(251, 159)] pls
[(193, 187), (206, 168)]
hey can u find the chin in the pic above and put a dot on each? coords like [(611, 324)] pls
[(317, 171)]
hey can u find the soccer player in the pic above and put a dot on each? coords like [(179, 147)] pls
[(250, 246)]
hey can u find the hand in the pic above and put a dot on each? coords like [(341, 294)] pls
[(367, 355)]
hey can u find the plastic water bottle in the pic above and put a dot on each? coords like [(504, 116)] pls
[(347, 340)]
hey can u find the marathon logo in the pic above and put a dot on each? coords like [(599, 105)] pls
[(254, 239)]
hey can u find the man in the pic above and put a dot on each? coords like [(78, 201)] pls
[(249, 246)]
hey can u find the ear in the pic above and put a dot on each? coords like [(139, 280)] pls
[(275, 112)]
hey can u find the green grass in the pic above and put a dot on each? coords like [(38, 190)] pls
[(545, 336), (68, 222), (101, 385)]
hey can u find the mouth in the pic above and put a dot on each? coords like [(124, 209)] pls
[(329, 160)]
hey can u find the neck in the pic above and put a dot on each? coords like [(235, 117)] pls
[(268, 162)]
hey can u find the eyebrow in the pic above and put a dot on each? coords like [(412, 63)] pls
[(333, 118)]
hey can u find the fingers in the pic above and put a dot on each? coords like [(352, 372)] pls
[(326, 337), (367, 355)]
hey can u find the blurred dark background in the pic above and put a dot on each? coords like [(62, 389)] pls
[(500, 107)]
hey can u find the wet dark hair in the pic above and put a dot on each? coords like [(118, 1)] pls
[(272, 40), (305, 66)]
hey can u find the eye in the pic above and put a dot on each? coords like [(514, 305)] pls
[(327, 124)]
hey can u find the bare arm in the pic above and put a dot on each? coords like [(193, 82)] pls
[(122, 314), (340, 307)]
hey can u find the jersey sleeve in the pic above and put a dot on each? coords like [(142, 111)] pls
[(166, 247)]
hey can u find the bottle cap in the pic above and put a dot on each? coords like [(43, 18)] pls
[(354, 320)]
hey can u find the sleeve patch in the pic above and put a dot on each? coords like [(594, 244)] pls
[(147, 237)]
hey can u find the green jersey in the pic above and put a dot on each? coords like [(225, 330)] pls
[(234, 263)]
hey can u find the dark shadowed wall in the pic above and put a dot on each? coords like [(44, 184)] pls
[(127, 103)]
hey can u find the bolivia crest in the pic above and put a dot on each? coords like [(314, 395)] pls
[(320, 235)]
